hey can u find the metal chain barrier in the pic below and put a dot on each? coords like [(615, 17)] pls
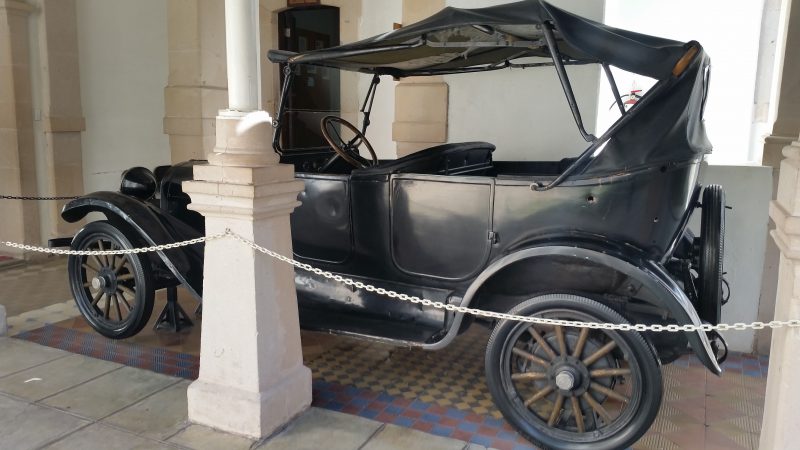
[(504, 316), (155, 248), (739, 326), (27, 197)]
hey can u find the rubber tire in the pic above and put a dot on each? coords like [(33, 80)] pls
[(139, 265), (712, 249), (651, 381)]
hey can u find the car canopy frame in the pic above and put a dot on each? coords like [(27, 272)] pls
[(533, 33)]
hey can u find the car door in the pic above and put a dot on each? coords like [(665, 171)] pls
[(441, 225), (321, 226)]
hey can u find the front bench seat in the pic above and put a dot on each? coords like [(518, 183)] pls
[(461, 158)]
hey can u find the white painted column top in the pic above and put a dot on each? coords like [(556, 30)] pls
[(244, 65)]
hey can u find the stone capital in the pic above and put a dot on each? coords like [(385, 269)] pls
[(243, 192), (788, 194), (243, 140), (16, 7), (53, 124)]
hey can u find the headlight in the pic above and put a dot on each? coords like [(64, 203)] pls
[(138, 182)]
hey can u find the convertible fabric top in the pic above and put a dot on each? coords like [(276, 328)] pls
[(664, 128), (454, 40)]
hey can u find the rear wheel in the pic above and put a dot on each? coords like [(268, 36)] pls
[(573, 388), (113, 292)]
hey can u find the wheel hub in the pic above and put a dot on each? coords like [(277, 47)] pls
[(569, 375), (98, 283), (106, 281), (565, 380)]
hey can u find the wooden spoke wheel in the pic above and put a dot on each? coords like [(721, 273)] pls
[(573, 388), (113, 292)]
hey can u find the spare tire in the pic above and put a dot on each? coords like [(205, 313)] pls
[(712, 246)]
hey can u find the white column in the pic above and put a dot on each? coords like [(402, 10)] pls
[(252, 378), (248, 143), (781, 421), (241, 25)]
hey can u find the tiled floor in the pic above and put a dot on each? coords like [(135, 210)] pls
[(443, 392), (412, 388), (52, 399)]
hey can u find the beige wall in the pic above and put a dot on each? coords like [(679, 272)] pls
[(123, 64), (524, 112)]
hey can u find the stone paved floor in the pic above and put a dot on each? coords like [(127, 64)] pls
[(52, 399), (34, 285), (400, 386)]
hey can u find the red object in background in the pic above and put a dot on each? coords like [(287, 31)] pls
[(633, 97)]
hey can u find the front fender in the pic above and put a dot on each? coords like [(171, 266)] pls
[(651, 274), (154, 227)]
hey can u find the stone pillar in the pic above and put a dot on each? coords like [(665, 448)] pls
[(781, 421), (197, 84), (420, 112), (3, 322), (61, 113), (252, 378), (19, 221), (784, 131)]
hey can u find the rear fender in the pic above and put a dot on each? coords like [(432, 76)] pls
[(666, 293), (147, 222)]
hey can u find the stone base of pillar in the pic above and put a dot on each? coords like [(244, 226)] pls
[(243, 140), (254, 414)]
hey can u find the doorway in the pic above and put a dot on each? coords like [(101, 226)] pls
[(315, 91)]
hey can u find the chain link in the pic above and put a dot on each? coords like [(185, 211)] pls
[(673, 328), (155, 248), (27, 197)]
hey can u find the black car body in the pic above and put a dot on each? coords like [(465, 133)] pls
[(605, 229)]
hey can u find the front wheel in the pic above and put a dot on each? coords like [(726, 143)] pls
[(573, 388), (113, 292)]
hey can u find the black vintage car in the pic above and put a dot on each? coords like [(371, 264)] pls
[(600, 237)]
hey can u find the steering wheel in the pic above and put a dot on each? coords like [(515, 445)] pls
[(348, 150)]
